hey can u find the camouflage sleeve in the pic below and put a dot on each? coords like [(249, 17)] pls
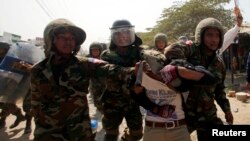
[(114, 71), (178, 51), (35, 95), (173, 52), (220, 94), (106, 70), (221, 99)]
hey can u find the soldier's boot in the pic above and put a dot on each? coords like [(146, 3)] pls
[(2, 122), (132, 135), (27, 129), (19, 118), (111, 135)]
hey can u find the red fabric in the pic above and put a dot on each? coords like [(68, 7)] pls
[(169, 73)]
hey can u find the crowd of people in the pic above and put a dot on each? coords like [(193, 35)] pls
[(59, 84)]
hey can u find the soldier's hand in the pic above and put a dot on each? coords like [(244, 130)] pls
[(22, 66), (239, 20), (164, 111), (238, 14), (97, 61), (137, 89), (229, 117)]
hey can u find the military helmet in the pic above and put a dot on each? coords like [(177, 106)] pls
[(161, 37), (60, 26), (121, 23), (95, 45), (183, 39), (122, 33), (155, 59), (205, 24)]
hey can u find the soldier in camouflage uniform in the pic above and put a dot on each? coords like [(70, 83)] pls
[(96, 84), (161, 42), (95, 50), (59, 85), (124, 50), (27, 102), (200, 106)]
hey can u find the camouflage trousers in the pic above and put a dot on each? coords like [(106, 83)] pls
[(77, 129), (113, 117), (204, 128)]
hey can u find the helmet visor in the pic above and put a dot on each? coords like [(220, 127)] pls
[(124, 36)]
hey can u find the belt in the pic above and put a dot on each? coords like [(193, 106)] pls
[(168, 125)]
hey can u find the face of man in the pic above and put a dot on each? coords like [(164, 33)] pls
[(65, 43), (95, 52), (211, 39), (160, 45), (123, 36)]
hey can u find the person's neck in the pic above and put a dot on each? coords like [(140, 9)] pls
[(122, 50), (61, 59), (210, 52)]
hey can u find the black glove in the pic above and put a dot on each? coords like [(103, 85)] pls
[(182, 63), (131, 81), (207, 79)]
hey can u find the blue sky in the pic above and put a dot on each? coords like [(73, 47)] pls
[(28, 18)]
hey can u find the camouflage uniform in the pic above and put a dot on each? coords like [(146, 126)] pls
[(96, 85), (160, 37), (200, 106), (59, 103), (117, 102)]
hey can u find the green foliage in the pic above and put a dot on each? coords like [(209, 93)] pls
[(182, 18)]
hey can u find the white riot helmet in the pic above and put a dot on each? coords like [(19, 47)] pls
[(122, 33)]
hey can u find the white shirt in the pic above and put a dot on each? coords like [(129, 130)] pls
[(229, 38), (161, 94)]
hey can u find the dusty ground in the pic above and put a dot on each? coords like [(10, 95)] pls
[(240, 111)]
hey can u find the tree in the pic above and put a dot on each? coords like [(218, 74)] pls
[(182, 18)]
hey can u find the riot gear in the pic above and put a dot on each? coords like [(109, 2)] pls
[(4, 47), (122, 33)]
